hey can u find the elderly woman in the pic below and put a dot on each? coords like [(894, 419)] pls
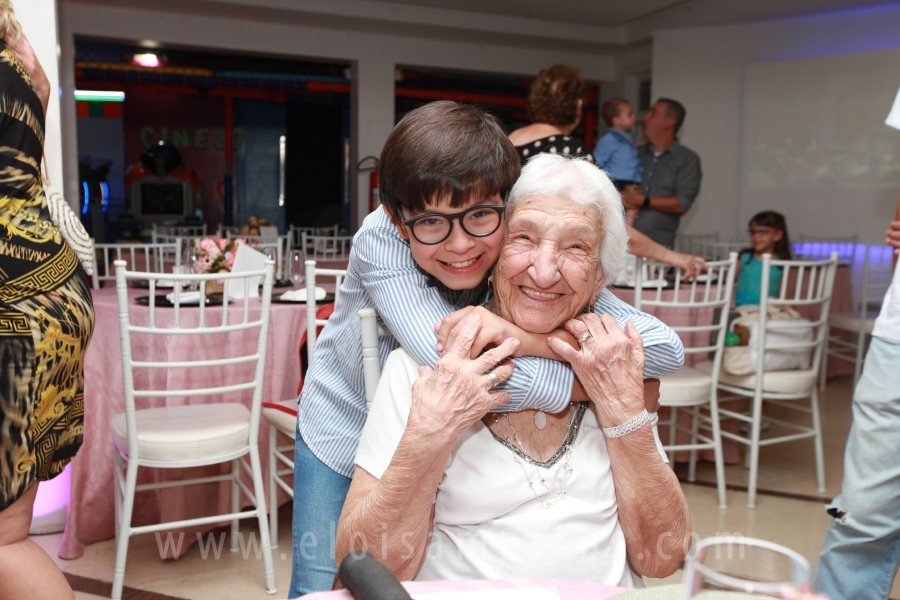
[(445, 488), (554, 105)]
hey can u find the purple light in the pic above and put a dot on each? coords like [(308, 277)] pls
[(147, 60)]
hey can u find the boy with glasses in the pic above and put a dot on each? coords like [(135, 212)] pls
[(444, 173)]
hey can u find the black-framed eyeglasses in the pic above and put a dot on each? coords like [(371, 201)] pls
[(478, 221)]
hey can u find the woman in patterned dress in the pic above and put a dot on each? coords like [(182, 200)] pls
[(46, 321)]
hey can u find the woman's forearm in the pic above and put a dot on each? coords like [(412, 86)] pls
[(391, 518), (652, 509)]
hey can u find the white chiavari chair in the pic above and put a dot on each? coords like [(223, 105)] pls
[(191, 435), (805, 284), (327, 247), (692, 388), (150, 258), (282, 416)]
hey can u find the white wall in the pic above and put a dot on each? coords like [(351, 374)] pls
[(706, 69), (373, 55), (38, 20)]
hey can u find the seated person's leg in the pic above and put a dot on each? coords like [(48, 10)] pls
[(319, 495)]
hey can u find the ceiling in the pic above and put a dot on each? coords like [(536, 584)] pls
[(591, 26), (604, 13)]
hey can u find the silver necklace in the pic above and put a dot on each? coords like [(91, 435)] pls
[(550, 497)]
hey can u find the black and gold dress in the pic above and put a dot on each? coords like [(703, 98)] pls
[(46, 314)]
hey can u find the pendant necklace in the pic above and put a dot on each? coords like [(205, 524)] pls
[(540, 419)]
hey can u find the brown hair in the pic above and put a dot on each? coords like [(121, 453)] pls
[(674, 110), (554, 95), (445, 148), (611, 109), (775, 220), (9, 25)]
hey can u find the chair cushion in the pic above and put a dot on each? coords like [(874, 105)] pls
[(189, 432), (283, 415), (687, 385), (781, 382)]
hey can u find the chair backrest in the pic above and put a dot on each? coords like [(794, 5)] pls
[(806, 285), (295, 235), (161, 233), (149, 258), (229, 231), (696, 299), (327, 247), (368, 328), (239, 365), (689, 242), (314, 275), (710, 250)]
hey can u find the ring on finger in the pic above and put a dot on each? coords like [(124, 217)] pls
[(494, 379), (584, 337)]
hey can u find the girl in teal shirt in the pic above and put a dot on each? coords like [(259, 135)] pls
[(768, 235)]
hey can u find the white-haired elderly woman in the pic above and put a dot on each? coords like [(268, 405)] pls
[(445, 488)]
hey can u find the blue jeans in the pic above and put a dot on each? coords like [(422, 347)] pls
[(319, 495), (862, 546)]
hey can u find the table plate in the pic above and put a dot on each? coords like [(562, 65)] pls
[(328, 298), (162, 301), (162, 284)]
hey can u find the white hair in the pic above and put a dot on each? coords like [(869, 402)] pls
[(581, 181)]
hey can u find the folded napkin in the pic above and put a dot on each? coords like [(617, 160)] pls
[(300, 295), (187, 297)]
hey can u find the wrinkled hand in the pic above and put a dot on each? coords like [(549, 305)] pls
[(690, 265), (892, 237), (25, 55), (493, 330), (632, 196), (609, 364), (457, 392)]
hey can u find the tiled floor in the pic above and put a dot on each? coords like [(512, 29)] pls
[(789, 511)]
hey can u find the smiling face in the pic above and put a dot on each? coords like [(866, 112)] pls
[(763, 239), (462, 261), (549, 267)]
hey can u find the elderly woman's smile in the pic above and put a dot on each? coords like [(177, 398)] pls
[(549, 267)]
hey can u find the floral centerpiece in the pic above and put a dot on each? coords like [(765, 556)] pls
[(216, 255)]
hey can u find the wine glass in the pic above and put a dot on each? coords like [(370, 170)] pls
[(297, 267), (189, 263), (735, 567)]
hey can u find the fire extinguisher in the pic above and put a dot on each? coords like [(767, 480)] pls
[(372, 167)]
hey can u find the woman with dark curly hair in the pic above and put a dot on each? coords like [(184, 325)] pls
[(554, 107)]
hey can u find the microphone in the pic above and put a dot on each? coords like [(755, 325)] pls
[(368, 579)]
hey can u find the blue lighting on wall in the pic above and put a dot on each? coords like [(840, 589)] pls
[(87, 197)]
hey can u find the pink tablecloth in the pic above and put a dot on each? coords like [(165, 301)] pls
[(91, 515), (568, 589)]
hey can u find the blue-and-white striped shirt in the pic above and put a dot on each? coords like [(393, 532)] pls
[(383, 275)]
